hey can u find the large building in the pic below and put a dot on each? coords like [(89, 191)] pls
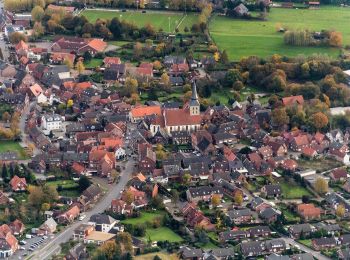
[(51, 122), (186, 119)]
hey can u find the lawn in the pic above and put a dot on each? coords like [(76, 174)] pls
[(93, 63), (243, 38), (306, 242), (162, 255), (162, 234), (66, 184), (293, 191), (143, 218), (157, 18), (6, 146)]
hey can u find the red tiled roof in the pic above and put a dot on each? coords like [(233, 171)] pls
[(111, 60), (175, 117), (301, 140), (98, 45), (15, 181), (61, 56), (289, 101), (308, 151), (339, 173), (143, 111), (308, 210), (78, 168), (21, 46)]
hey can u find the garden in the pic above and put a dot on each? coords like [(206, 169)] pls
[(13, 146)]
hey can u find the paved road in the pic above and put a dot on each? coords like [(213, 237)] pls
[(53, 247), (316, 254)]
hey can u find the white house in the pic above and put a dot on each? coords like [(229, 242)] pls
[(119, 153), (44, 99), (102, 222), (51, 122)]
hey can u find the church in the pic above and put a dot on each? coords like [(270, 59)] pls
[(186, 119)]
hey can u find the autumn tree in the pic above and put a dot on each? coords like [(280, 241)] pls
[(68, 63), (6, 116), (38, 30), (157, 65), (321, 185), (16, 37), (137, 49), (319, 120), (130, 85), (340, 211), (80, 67), (38, 13), (279, 117), (186, 178), (336, 39), (129, 197), (109, 249), (238, 198), (165, 80), (215, 200)]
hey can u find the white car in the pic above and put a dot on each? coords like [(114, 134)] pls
[(81, 217)]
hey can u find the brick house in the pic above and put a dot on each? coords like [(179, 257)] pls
[(18, 184), (308, 211), (69, 216)]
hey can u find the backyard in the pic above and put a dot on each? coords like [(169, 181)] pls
[(12, 146), (291, 190), (162, 234), (143, 218), (243, 38), (320, 165), (160, 20)]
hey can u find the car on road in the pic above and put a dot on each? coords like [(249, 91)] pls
[(81, 217), (22, 242)]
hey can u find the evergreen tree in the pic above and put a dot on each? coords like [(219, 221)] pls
[(4, 174), (11, 171)]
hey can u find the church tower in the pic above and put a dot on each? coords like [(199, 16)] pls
[(194, 103)]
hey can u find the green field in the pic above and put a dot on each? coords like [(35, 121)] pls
[(242, 38), (7, 146), (162, 234), (293, 191), (157, 19), (65, 184), (143, 218)]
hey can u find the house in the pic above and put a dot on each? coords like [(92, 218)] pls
[(219, 253), (69, 216), (101, 161), (275, 245), (78, 45), (58, 58), (300, 230), (269, 215), (299, 142), (78, 252), (48, 227), (108, 61), (265, 152), (252, 248), (90, 196), (240, 216), (82, 231), (346, 185), (102, 222), (241, 10), (17, 227), (3, 198), (258, 204), (8, 242), (271, 191), (259, 231), (233, 235), (308, 152), (339, 174), (195, 218), (204, 193), (147, 158), (18, 184), (323, 243), (293, 101), (138, 197), (114, 73), (120, 207), (188, 253), (51, 122), (279, 148), (308, 211), (140, 112)]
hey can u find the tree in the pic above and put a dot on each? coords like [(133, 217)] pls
[(38, 30), (36, 196), (110, 249), (131, 85), (70, 103), (279, 117), (129, 197), (68, 63), (340, 211), (137, 49), (224, 57), (321, 185), (45, 207), (16, 37), (238, 198), (6, 116), (165, 80), (84, 183), (336, 39), (157, 65), (38, 13), (319, 120), (125, 239), (186, 178), (156, 257), (174, 196), (4, 174), (215, 200), (80, 67), (87, 56)]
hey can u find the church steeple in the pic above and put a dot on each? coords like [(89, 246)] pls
[(194, 103)]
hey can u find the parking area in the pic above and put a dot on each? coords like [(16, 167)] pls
[(28, 245)]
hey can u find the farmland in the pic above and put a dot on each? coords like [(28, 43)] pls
[(250, 37), (160, 20)]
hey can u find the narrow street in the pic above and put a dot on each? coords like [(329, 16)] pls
[(53, 246)]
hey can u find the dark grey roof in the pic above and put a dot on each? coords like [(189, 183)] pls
[(272, 189), (205, 190), (275, 243), (236, 213), (268, 213), (324, 241), (102, 219), (298, 228), (304, 256), (188, 252), (254, 248)]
